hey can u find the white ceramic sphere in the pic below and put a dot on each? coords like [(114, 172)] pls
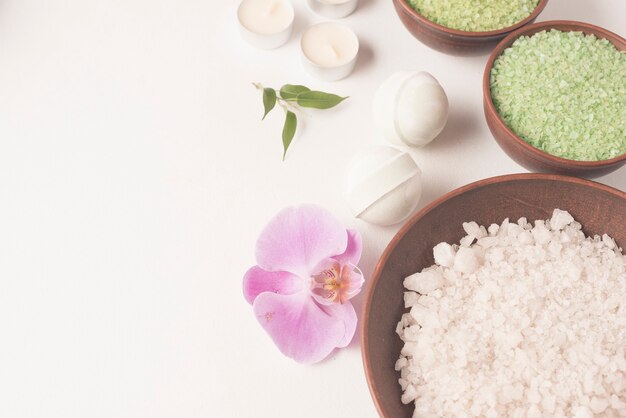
[(410, 108), (383, 185)]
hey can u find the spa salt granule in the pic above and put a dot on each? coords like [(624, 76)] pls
[(475, 15), (517, 321), (563, 93)]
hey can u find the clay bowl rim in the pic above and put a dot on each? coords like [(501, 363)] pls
[(531, 151), (382, 261), (421, 19)]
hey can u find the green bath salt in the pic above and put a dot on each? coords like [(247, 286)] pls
[(564, 93), (475, 15)]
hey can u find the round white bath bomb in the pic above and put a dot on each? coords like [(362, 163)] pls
[(410, 108), (383, 185)]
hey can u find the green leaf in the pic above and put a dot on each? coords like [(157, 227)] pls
[(291, 91), (269, 100), (289, 130), (319, 99)]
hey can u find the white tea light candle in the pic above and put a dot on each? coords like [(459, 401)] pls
[(329, 51), (266, 24), (334, 9)]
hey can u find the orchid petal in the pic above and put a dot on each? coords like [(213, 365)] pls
[(352, 254), (298, 238), (345, 313), (257, 281), (352, 281), (299, 327)]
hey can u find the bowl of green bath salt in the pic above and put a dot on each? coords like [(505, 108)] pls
[(465, 27), (554, 97)]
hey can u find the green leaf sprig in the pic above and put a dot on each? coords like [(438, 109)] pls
[(290, 97)]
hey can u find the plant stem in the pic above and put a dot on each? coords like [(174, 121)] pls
[(285, 104)]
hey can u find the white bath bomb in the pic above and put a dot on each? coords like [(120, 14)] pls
[(382, 185), (410, 108)]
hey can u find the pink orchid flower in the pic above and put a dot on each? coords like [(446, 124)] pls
[(301, 288)]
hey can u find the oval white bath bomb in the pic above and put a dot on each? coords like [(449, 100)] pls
[(383, 185), (410, 108)]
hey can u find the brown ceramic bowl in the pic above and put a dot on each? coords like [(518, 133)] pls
[(454, 41), (600, 209), (518, 149)]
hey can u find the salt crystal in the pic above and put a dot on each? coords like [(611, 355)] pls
[(467, 240), (410, 299), (619, 385), (498, 319), (409, 394), (617, 403), (495, 255), (487, 242), (466, 260), (548, 403), (560, 219), (428, 301), (525, 238), (408, 348), (401, 363), (534, 412), (424, 282), (444, 254), (472, 228), (533, 395), (598, 405), (419, 313), (540, 233), (582, 412), (608, 241), (411, 333), (475, 409)]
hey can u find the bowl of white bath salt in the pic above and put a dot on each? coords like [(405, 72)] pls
[(503, 298)]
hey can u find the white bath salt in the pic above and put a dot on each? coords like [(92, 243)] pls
[(410, 299), (466, 260), (473, 229), (444, 254), (560, 219), (528, 319), (424, 282)]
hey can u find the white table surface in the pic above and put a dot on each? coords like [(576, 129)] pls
[(135, 176)]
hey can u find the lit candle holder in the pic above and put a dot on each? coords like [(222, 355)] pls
[(266, 24), (329, 51), (334, 9)]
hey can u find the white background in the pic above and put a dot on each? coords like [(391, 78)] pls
[(135, 176)]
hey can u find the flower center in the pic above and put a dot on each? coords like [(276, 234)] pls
[(335, 283), (326, 283)]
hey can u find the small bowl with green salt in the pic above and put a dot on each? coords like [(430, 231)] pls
[(465, 27), (554, 96)]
